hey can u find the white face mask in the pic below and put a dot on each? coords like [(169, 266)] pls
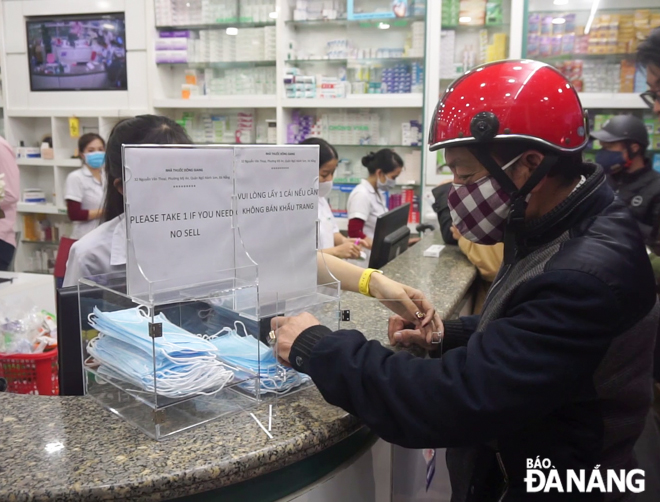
[(389, 183), (325, 187)]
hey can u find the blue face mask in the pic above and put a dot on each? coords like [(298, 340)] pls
[(255, 358), (184, 364), (95, 160), (609, 159)]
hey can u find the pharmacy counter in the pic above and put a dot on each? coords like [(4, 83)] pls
[(69, 448)]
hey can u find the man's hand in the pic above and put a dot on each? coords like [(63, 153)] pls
[(403, 333), (287, 329)]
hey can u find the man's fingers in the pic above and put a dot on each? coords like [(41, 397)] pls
[(278, 322), (408, 336)]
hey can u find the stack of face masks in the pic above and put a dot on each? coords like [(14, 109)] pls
[(248, 353), (185, 364)]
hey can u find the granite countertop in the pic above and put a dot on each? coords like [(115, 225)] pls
[(69, 448)]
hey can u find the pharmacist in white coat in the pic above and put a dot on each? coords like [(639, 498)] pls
[(331, 241), (367, 201), (85, 186), (103, 250)]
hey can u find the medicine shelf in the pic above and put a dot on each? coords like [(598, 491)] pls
[(49, 162), (402, 59), (216, 26), (229, 101), (584, 57), (359, 101), (43, 243), (27, 207), (224, 64), (476, 27), (606, 100), (79, 112), (362, 23)]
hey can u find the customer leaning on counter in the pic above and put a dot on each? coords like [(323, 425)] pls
[(558, 363)]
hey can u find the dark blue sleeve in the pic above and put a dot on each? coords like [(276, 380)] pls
[(521, 367)]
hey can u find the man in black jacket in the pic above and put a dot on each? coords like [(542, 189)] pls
[(556, 370), (624, 139)]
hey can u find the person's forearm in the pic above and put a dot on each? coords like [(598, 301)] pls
[(331, 268), (356, 228), (329, 252), (95, 214), (339, 239), (76, 212)]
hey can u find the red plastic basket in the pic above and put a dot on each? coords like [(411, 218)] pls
[(31, 373)]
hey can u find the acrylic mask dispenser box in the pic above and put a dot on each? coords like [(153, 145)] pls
[(179, 338)]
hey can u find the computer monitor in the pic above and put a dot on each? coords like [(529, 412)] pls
[(390, 237), (69, 343)]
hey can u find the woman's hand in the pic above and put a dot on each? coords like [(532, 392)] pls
[(347, 250), (366, 243), (455, 233), (404, 301)]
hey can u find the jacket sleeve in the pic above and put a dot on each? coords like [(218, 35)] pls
[(650, 232), (521, 367), (442, 210)]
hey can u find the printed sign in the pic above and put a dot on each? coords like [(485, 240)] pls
[(178, 216)]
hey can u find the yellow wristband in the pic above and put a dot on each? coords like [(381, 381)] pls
[(365, 278)]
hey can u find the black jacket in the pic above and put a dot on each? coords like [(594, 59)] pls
[(640, 191), (557, 366), (440, 194)]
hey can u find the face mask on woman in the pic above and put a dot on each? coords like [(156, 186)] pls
[(387, 184), (325, 187), (95, 160)]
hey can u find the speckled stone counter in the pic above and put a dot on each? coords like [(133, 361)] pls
[(69, 448)]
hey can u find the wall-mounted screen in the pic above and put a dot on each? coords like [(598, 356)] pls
[(79, 52)]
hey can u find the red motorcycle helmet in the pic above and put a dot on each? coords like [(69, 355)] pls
[(511, 100)]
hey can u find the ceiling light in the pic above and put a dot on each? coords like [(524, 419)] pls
[(273, 15), (592, 15), (231, 31), (558, 20), (464, 19)]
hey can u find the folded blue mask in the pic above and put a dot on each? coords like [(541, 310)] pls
[(254, 357), (132, 326), (184, 364)]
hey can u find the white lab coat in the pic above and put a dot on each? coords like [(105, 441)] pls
[(367, 204), (327, 226), (81, 186), (101, 251)]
